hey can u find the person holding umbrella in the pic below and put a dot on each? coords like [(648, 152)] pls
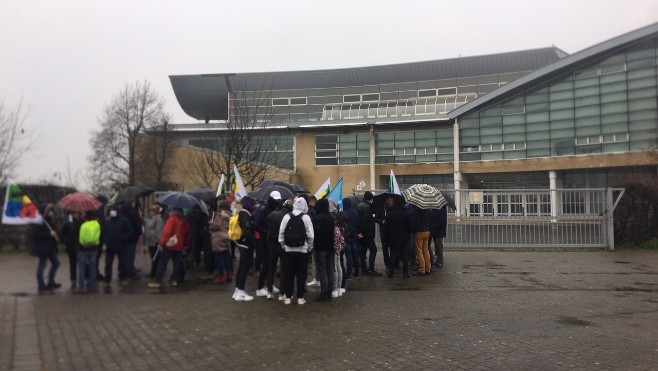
[(173, 241), (117, 234)]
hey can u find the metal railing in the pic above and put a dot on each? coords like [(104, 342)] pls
[(533, 218)]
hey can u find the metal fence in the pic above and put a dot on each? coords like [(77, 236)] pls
[(533, 218)]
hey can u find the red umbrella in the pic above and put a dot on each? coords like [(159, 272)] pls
[(79, 202)]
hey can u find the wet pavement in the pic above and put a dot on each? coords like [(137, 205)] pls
[(488, 310)]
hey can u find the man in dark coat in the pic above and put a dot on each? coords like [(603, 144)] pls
[(262, 226), (352, 245), (367, 234), (438, 231), (323, 229), (69, 236), (118, 232), (397, 228), (131, 212), (44, 246), (379, 219)]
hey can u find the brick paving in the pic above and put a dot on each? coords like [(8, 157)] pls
[(484, 310)]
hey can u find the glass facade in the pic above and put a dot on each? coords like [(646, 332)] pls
[(391, 147), (277, 151), (607, 107)]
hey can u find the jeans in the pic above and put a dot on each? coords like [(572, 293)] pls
[(120, 254), (223, 262), (54, 264), (275, 252), (263, 266), (87, 262), (165, 255), (296, 267), (131, 251), (338, 268), (353, 252), (246, 262), (399, 253), (324, 266), (438, 251), (369, 244)]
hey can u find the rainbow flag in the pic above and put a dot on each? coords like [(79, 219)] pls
[(18, 208), (324, 189)]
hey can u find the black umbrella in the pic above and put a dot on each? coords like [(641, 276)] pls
[(449, 201), (379, 202), (264, 193), (204, 194), (133, 192), (182, 201), (295, 188)]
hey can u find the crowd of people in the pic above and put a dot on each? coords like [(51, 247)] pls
[(232, 242)]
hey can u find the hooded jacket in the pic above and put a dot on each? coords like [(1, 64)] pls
[(298, 207), (219, 231), (323, 228)]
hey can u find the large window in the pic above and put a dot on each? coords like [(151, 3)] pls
[(405, 147), (343, 149)]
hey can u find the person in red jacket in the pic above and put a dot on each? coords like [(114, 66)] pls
[(172, 248)]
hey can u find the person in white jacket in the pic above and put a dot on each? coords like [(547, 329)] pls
[(296, 266)]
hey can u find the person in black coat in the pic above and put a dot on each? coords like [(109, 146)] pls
[(70, 237), (262, 227), (352, 245), (397, 228), (131, 212), (118, 233), (367, 234), (438, 231), (323, 229), (44, 246)]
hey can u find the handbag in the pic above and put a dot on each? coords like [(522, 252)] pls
[(173, 240)]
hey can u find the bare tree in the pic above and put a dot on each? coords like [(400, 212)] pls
[(15, 138), (243, 142), (155, 153), (115, 143)]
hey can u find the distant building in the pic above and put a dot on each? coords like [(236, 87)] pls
[(529, 119)]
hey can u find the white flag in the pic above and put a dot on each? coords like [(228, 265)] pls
[(238, 188), (324, 190), (220, 188)]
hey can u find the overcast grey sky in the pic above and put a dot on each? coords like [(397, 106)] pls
[(67, 59)]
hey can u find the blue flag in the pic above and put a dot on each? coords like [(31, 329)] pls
[(336, 194)]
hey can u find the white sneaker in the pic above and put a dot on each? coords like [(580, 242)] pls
[(287, 301), (235, 294), (313, 283), (301, 301), (261, 292), (243, 296), (282, 297), (275, 290), (269, 296), (342, 291), (334, 294)]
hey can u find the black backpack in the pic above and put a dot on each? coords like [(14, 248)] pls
[(294, 234)]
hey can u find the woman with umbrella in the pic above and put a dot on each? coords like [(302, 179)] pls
[(173, 241)]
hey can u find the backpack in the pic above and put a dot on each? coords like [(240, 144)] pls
[(234, 228), (294, 235), (345, 227), (90, 234), (338, 239)]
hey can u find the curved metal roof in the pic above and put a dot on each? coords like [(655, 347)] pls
[(205, 97), (558, 68)]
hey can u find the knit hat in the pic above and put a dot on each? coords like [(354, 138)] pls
[(368, 196)]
